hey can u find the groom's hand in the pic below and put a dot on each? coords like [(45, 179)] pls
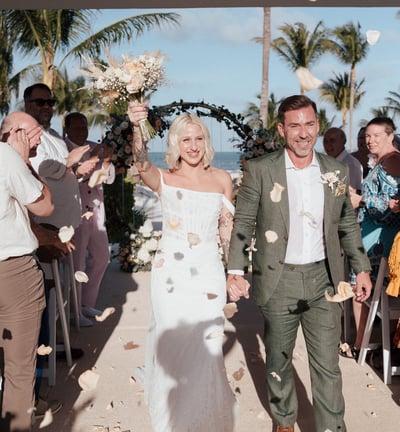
[(237, 286)]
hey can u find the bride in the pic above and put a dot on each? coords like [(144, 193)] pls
[(186, 386)]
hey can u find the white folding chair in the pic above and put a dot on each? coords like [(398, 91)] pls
[(385, 308), (57, 307)]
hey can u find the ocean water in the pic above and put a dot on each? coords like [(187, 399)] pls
[(226, 160)]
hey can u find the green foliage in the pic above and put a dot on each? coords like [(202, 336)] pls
[(119, 202)]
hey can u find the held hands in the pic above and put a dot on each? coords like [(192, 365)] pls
[(137, 112), (237, 286), (363, 287)]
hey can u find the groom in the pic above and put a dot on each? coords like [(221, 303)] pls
[(296, 204)]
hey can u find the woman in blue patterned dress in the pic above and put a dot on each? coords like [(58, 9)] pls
[(379, 207)]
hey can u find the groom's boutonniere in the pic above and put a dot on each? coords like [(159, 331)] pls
[(335, 184)]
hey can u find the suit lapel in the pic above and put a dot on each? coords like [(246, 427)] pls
[(278, 175), (329, 196)]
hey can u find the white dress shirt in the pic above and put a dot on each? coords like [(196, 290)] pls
[(306, 211)]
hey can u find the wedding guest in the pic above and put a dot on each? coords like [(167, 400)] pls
[(92, 253), (22, 293), (334, 142), (378, 207), (362, 153), (296, 202), (184, 361)]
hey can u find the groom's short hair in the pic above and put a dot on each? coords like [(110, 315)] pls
[(295, 102)]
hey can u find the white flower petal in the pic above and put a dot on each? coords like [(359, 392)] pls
[(88, 380), (98, 177), (271, 236), (106, 313), (65, 233), (230, 309), (81, 276), (276, 193), (373, 36)]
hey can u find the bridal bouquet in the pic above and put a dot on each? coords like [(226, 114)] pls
[(131, 79)]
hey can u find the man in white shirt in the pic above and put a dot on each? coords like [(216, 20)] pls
[(22, 297), (296, 204)]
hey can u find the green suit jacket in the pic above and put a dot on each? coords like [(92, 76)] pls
[(256, 213)]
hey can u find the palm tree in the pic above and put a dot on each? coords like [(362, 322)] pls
[(299, 47), (7, 84), (336, 91), (61, 34), (393, 103), (351, 48), (324, 122)]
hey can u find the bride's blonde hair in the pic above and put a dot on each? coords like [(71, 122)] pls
[(176, 131)]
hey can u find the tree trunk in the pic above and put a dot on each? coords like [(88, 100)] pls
[(265, 67), (351, 105)]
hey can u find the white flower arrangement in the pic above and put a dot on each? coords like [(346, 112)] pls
[(137, 254), (130, 79), (337, 186)]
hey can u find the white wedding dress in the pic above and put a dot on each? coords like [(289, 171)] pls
[(186, 385)]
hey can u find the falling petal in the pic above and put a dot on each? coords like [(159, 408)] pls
[(313, 222), (230, 309), (373, 36), (98, 177), (44, 350), (193, 239), (88, 380), (276, 193), (344, 292), (215, 334), (159, 263), (96, 202), (173, 224), (238, 375), (130, 345), (106, 313), (87, 215), (179, 256), (110, 406), (66, 233), (193, 271), (179, 195), (306, 80), (271, 236), (276, 376), (211, 296), (81, 276), (47, 419)]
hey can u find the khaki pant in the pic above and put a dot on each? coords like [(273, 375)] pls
[(21, 304), (299, 300)]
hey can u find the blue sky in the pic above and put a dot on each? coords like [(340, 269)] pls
[(212, 57)]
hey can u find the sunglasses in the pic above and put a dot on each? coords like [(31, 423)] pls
[(42, 102)]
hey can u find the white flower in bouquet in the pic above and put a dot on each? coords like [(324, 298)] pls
[(147, 228), (129, 79), (144, 255), (151, 245)]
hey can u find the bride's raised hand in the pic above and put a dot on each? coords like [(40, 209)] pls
[(137, 111)]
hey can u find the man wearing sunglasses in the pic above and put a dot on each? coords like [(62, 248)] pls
[(53, 162)]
